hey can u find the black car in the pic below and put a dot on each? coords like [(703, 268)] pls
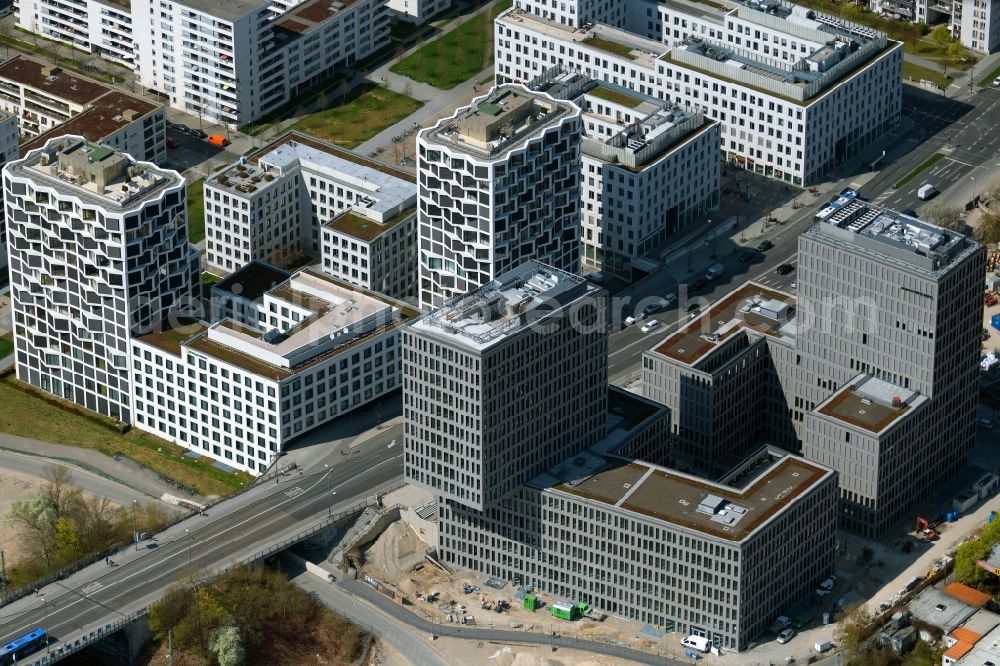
[(179, 127), (784, 269), (693, 307), (764, 246), (909, 211), (747, 257), (199, 134)]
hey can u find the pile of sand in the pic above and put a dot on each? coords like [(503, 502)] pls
[(394, 554)]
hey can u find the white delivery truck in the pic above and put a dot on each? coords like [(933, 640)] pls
[(698, 643), (926, 191)]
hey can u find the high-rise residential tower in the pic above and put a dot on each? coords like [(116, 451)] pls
[(498, 185), (98, 252)]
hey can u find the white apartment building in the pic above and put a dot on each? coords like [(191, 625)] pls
[(234, 62), (498, 185), (417, 12), (49, 101), (291, 357), (650, 168), (783, 80), (373, 254), (274, 206), (8, 151), (976, 23), (95, 26), (98, 253)]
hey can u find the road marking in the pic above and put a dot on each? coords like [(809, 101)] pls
[(91, 588), (180, 540), (294, 492), (392, 444)]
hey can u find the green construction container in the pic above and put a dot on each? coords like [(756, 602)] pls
[(562, 610), (531, 602)]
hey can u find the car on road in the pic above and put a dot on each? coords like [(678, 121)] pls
[(699, 283), (692, 306), (199, 134), (596, 278), (985, 424), (631, 319), (668, 300), (784, 269), (786, 635), (650, 325), (764, 245), (747, 257), (651, 308), (996, 82), (909, 211)]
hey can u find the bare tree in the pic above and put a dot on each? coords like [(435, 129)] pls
[(945, 216), (62, 495)]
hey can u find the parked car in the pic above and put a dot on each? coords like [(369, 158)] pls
[(747, 257), (699, 283), (909, 211), (218, 140), (764, 245), (786, 635), (172, 142), (650, 325), (596, 278), (996, 82), (784, 269), (985, 424), (668, 300), (692, 306), (990, 299), (199, 134), (651, 308), (179, 127)]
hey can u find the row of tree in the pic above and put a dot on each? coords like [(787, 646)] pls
[(252, 615), (59, 525)]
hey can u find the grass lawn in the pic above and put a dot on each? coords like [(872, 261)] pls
[(926, 164), (918, 73), (196, 210), (455, 56), (207, 280), (29, 416), (6, 347), (988, 80), (363, 116)]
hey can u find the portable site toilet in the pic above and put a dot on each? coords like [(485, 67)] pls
[(563, 610), (531, 602), (995, 321)]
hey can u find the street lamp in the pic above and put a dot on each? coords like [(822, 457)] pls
[(45, 609), (329, 491), (135, 532), (188, 532), (973, 189)]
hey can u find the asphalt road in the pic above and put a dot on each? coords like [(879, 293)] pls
[(87, 482), (266, 514)]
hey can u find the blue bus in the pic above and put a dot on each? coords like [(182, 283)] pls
[(20, 647)]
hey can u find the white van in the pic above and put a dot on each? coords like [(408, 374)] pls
[(696, 643), (714, 271), (822, 646), (926, 191)]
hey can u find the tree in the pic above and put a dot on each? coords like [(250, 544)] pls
[(60, 491), (957, 52), (321, 101), (945, 216), (66, 539), (941, 36), (989, 227), (170, 610), (35, 518), (852, 629), (228, 646), (344, 89)]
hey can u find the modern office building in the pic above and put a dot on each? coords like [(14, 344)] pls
[(717, 559), (476, 429), (49, 101), (881, 342), (279, 205), (782, 80), (541, 473), (649, 169), (498, 185), (291, 354), (98, 253)]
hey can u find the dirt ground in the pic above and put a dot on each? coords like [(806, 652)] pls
[(391, 559)]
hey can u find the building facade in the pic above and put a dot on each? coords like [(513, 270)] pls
[(373, 254), (475, 430), (49, 101), (649, 169), (417, 12), (98, 254), (498, 185), (881, 342), (975, 23), (286, 358), (94, 26), (781, 79), (279, 204)]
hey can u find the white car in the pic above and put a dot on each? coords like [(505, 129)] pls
[(786, 635), (650, 325), (996, 82), (631, 319)]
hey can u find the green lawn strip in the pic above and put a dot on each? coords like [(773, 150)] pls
[(615, 48), (988, 80), (928, 163), (27, 415), (207, 280), (918, 73), (615, 97), (6, 347), (457, 55), (360, 118), (196, 210), (51, 53)]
